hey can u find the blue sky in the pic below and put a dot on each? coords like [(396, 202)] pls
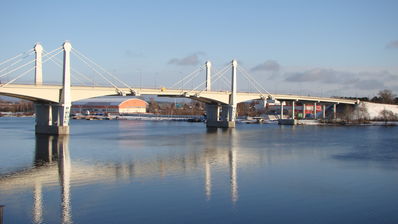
[(305, 47)]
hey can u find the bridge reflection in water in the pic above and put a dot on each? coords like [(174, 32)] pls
[(52, 166), (50, 150)]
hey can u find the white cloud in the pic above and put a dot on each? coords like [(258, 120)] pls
[(193, 59), (269, 65), (321, 75), (370, 84), (392, 45), (345, 81)]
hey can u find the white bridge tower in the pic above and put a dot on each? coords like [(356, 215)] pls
[(52, 118), (223, 116)]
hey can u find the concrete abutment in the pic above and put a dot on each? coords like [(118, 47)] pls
[(218, 116), (48, 119)]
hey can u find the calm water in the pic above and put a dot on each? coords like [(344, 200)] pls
[(177, 172)]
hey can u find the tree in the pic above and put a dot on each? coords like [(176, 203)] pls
[(362, 113), (348, 113), (153, 106), (386, 96), (242, 109), (387, 115)]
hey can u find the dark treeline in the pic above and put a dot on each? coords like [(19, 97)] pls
[(195, 108), (17, 106), (384, 96), (168, 108)]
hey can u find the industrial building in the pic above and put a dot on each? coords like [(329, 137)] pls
[(110, 105)]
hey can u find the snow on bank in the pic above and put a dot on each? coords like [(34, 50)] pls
[(374, 109)]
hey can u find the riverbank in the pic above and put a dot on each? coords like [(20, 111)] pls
[(336, 122), (197, 118), (145, 117)]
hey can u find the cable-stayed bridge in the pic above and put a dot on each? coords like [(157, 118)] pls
[(53, 102)]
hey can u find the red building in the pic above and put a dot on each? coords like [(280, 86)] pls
[(110, 105)]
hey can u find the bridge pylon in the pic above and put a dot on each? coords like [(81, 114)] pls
[(224, 116), (208, 75), (54, 118), (38, 64)]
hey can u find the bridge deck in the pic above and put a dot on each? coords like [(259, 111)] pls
[(51, 93)]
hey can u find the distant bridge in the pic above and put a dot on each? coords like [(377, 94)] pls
[(53, 102)]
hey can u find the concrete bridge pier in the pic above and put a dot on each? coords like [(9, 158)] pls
[(227, 116), (334, 112), (48, 120), (293, 110), (54, 118), (218, 116), (212, 114), (314, 111)]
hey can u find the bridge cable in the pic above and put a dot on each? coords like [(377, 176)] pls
[(222, 78), (12, 58), (99, 73), (221, 75), (216, 76), (12, 64), (30, 62), (195, 72), (226, 81), (59, 64), (76, 52), (254, 82), (26, 72), (24, 55), (250, 81), (191, 78)]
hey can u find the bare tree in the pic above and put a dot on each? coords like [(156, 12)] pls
[(386, 96), (388, 115), (362, 113), (153, 106), (348, 113)]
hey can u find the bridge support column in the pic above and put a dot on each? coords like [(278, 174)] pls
[(54, 119), (323, 111), (303, 110), (281, 117), (314, 111), (66, 101), (334, 112), (293, 110), (47, 120), (212, 115), (1, 214), (218, 116), (232, 99)]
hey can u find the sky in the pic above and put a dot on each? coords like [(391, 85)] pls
[(324, 48)]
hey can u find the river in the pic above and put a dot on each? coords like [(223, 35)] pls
[(121, 171)]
